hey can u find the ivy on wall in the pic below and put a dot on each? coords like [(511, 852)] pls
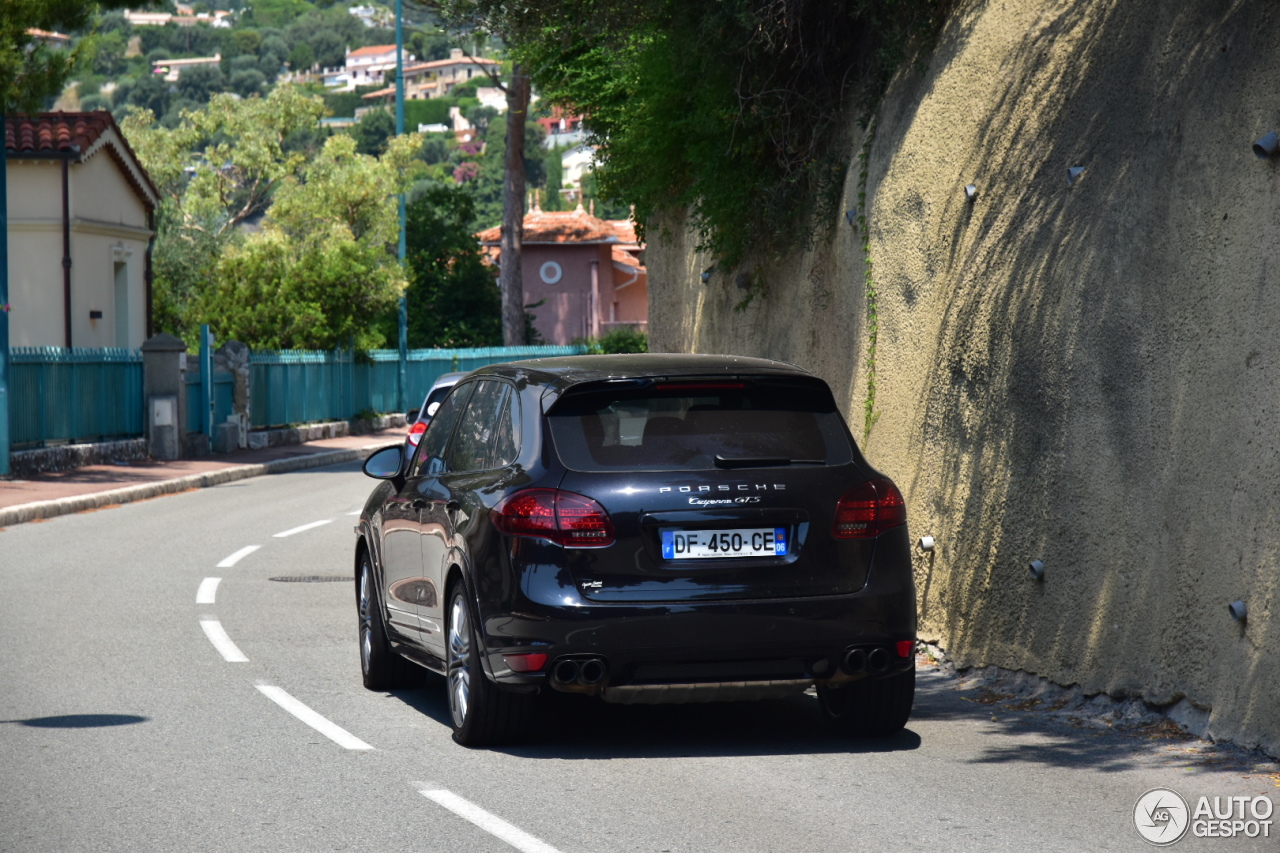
[(733, 110)]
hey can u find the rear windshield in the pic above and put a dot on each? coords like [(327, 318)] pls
[(685, 426)]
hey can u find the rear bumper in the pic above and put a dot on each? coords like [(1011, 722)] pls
[(700, 642)]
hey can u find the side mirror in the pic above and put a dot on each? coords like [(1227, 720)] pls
[(432, 409), (386, 463)]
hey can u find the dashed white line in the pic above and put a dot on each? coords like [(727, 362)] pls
[(356, 512), (332, 731), (208, 591), (490, 823), (310, 526), (213, 630), (238, 556)]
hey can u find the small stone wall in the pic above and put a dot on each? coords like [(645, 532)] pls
[(28, 463), (258, 439)]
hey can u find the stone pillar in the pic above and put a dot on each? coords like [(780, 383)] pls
[(165, 393), (233, 357)]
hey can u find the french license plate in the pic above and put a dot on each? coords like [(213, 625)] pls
[(712, 544)]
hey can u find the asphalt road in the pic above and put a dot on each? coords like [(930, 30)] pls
[(147, 707)]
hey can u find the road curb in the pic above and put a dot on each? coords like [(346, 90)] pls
[(41, 510)]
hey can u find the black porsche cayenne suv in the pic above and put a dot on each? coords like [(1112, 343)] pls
[(640, 528)]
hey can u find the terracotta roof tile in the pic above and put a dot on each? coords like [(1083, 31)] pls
[(51, 133), (79, 135), (625, 258), (373, 50), (445, 63), (625, 228), (576, 226)]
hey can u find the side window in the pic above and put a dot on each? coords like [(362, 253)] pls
[(472, 447), (506, 443), (430, 459)]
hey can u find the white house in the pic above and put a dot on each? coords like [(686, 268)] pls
[(576, 163), (81, 220), (172, 68), (367, 65), (437, 78)]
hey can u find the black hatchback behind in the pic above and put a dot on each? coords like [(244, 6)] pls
[(641, 528)]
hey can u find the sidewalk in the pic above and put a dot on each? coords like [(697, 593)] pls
[(97, 486)]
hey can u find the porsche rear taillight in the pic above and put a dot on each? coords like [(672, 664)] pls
[(869, 510), (566, 518), (416, 432)]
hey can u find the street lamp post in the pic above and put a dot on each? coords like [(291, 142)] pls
[(4, 300), (404, 303)]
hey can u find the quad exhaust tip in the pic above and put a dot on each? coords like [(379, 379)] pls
[(855, 661), (592, 671), (565, 672)]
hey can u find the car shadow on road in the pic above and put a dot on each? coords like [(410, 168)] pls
[(584, 728), (79, 721)]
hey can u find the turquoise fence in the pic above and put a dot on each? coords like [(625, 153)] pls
[(74, 395), (223, 393), (59, 395), (297, 386)]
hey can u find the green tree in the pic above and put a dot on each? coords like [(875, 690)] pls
[(199, 83), (453, 295), (301, 57), (323, 271), (726, 108), (489, 187), (480, 19), (273, 293), (184, 261), (220, 166), (248, 82), (108, 54), (618, 341), (373, 131), (245, 40), (242, 160), (327, 33), (276, 13), (31, 70)]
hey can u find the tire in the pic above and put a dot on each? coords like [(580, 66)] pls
[(380, 667), (482, 714), (871, 707)]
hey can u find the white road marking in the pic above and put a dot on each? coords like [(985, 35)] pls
[(208, 591), (490, 823), (221, 642), (238, 556), (357, 512), (310, 526), (332, 731)]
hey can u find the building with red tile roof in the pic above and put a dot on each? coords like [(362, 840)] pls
[(367, 66), (585, 272), (81, 221)]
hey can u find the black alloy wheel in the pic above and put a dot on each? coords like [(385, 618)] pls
[(482, 714), (870, 707)]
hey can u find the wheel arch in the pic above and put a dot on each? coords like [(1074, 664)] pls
[(459, 573)]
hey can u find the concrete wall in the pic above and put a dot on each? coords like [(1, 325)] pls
[(1086, 375)]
